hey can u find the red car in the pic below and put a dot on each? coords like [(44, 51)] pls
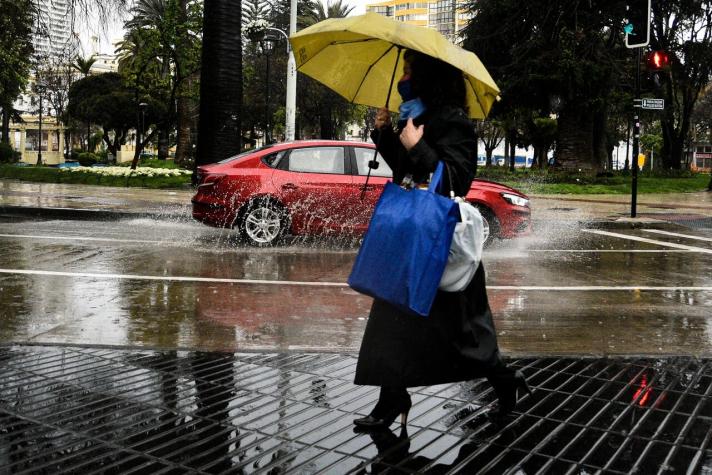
[(314, 188)]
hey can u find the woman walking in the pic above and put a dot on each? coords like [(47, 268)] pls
[(457, 341)]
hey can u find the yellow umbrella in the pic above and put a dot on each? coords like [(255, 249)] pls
[(358, 57)]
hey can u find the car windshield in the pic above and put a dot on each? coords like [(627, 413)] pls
[(244, 154)]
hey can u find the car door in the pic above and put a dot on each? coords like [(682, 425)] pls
[(313, 183), (363, 208)]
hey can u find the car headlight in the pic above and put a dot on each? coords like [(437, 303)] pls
[(515, 199)]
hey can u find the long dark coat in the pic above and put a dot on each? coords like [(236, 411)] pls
[(457, 341)]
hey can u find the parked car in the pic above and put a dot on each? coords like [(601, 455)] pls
[(315, 187)]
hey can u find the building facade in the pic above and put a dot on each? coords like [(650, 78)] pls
[(700, 157), (53, 31), (446, 16)]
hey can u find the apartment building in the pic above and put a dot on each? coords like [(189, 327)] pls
[(446, 16), (53, 29)]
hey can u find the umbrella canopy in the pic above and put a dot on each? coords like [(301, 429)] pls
[(358, 57)]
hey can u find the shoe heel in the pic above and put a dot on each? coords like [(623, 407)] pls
[(404, 418), (522, 383)]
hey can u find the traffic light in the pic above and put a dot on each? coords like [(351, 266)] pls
[(637, 28), (657, 60), (656, 63)]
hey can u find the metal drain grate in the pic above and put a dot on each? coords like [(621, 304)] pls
[(91, 410)]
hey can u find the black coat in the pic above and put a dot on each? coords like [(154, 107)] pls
[(457, 341)]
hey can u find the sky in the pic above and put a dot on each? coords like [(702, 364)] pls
[(112, 31)]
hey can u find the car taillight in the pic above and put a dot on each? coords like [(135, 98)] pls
[(211, 180)]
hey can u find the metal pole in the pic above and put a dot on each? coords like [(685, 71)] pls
[(266, 137), (636, 135), (39, 151), (291, 106)]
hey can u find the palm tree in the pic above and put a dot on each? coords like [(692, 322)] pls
[(335, 9), (330, 107), (83, 65), (219, 129)]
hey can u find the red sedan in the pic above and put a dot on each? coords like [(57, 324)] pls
[(314, 188)]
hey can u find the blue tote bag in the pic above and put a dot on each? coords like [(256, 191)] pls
[(406, 247)]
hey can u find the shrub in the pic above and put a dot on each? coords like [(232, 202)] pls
[(7, 154), (87, 159)]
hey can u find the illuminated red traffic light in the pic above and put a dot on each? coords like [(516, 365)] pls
[(657, 60)]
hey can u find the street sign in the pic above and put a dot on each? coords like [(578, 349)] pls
[(652, 104)]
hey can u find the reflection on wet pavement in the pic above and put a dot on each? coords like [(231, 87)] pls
[(86, 410), (634, 297)]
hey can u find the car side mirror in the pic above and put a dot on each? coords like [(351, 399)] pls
[(373, 165)]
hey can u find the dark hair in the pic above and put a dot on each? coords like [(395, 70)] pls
[(436, 82)]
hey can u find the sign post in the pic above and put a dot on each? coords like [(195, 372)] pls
[(637, 36)]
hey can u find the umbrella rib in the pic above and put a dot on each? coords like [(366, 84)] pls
[(363, 79)]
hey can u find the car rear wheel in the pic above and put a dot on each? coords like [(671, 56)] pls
[(263, 223), (491, 224)]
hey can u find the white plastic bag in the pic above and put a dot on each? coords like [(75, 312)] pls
[(465, 251)]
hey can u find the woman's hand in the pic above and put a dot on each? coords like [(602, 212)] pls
[(411, 135), (383, 118)]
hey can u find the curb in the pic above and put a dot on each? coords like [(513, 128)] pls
[(91, 214)]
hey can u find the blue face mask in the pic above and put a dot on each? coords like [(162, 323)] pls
[(405, 89)]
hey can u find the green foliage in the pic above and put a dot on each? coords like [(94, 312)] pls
[(87, 159), (83, 65), (552, 181), (153, 163), (8, 154), (16, 23), (54, 175), (104, 100), (159, 60)]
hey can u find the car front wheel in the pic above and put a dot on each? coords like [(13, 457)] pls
[(491, 224), (263, 222)]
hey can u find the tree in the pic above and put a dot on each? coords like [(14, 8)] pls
[(58, 73), (684, 30), (84, 65), (165, 34), (335, 9), (543, 53), (219, 127), (317, 103), (16, 52), (491, 134), (104, 100), (541, 134)]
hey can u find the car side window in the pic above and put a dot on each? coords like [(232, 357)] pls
[(365, 155), (317, 160), (273, 159)]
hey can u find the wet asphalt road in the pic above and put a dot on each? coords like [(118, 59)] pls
[(141, 282)]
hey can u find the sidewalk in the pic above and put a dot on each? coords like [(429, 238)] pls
[(92, 410), (106, 202)]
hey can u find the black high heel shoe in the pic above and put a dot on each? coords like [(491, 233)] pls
[(390, 404), (507, 387)]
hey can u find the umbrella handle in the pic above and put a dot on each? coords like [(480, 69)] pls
[(378, 138)]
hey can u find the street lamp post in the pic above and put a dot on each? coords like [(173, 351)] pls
[(291, 102), (142, 107), (40, 86), (267, 44)]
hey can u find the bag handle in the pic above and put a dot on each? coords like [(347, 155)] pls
[(437, 178)]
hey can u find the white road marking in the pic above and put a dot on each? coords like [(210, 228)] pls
[(649, 241), (686, 236), (171, 278), (77, 238), (337, 284), (653, 251)]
